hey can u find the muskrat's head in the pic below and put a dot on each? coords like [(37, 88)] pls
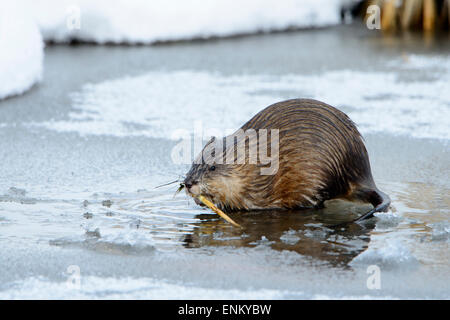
[(217, 182), (220, 183)]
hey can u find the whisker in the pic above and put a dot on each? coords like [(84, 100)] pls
[(166, 184)]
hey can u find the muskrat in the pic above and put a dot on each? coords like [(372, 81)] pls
[(321, 156)]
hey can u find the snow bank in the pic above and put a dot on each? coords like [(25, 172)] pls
[(143, 21), (136, 21), (21, 50)]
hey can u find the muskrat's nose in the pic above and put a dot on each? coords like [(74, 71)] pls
[(189, 183), (192, 186)]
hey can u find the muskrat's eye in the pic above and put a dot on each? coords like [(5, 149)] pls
[(212, 168)]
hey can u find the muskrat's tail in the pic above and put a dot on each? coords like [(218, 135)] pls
[(377, 198)]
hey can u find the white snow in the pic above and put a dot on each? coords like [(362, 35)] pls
[(126, 288), (142, 21), (136, 21), (21, 50)]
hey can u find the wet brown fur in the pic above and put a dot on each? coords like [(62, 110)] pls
[(321, 156)]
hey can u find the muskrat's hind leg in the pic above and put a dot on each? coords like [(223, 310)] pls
[(377, 198)]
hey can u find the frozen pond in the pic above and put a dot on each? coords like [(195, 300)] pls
[(83, 152)]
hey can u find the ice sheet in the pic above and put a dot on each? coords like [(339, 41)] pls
[(154, 104)]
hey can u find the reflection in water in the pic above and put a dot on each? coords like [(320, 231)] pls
[(410, 41), (130, 225), (308, 232), (147, 222)]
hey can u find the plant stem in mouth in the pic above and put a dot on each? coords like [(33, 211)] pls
[(211, 205)]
